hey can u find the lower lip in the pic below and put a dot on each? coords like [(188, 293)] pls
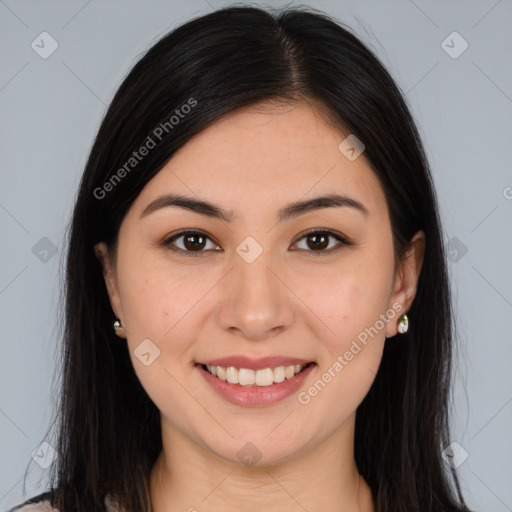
[(256, 396)]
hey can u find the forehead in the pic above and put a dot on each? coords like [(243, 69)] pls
[(260, 157)]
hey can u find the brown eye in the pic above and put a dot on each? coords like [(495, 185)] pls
[(194, 241), (190, 242), (320, 241)]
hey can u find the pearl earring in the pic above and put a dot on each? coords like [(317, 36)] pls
[(403, 324), (118, 328)]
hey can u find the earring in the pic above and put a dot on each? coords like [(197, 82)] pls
[(403, 324), (118, 328)]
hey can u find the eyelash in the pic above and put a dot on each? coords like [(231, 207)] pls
[(168, 242)]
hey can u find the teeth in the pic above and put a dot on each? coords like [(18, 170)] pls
[(289, 372), (278, 374), (264, 377), (232, 375), (247, 377), (221, 372)]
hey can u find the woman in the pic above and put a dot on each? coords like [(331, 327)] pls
[(257, 303)]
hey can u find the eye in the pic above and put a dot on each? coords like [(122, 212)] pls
[(192, 242), (317, 241)]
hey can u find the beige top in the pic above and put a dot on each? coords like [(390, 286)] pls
[(44, 506)]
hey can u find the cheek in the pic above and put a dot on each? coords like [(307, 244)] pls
[(351, 296), (358, 330), (351, 354), (353, 302), (157, 296), (159, 303)]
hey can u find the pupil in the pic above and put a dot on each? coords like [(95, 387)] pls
[(316, 238), (189, 244)]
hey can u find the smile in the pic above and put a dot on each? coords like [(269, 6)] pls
[(255, 387), (247, 377)]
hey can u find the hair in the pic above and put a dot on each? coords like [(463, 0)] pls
[(108, 429)]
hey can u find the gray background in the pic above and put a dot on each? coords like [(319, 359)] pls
[(51, 109)]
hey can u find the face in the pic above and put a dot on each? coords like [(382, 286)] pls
[(191, 287)]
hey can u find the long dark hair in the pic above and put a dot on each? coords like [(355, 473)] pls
[(108, 428)]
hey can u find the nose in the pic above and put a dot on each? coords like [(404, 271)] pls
[(256, 303)]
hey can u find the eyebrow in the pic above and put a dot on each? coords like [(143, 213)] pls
[(292, 210)]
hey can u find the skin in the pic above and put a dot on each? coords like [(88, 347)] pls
[(290, 301)]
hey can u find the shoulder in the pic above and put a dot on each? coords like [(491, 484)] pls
[(41, 503)]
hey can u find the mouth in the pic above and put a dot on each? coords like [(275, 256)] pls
[(256, 378), (250, 387)]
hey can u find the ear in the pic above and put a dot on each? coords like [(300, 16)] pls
[(102, 253), (406, 279)]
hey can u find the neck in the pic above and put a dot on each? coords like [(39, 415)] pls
[(189, 477)]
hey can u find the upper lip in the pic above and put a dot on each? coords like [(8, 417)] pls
[(255, 364)]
